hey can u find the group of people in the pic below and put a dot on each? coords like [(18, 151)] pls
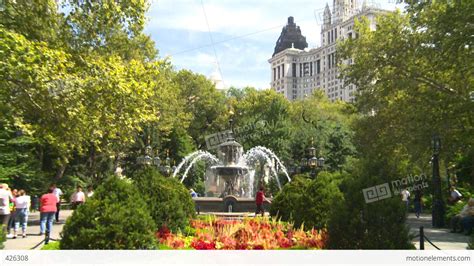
[(15, 206), (462, 222), (417, 201), (14, 209)]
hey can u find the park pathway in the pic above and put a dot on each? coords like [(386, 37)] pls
[(441, 237), (32, 231)]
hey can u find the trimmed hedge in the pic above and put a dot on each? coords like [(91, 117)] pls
[(169, 202), (356, 224), (115, 218), (306, 201)]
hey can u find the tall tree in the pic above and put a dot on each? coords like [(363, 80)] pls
[(203, 103), (414, 80)]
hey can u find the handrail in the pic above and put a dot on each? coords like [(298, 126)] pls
[(423, 238)]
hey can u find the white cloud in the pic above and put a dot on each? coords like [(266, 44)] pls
[(244, 33)]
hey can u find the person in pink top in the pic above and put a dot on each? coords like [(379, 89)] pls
[(47, 211)]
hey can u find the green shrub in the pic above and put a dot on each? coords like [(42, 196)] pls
[(3, 237), (471, 243), (169, 202), (453, 210), (355, 224), (115, 218), (307, 202)]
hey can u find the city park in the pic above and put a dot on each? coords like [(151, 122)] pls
[(87, 100)]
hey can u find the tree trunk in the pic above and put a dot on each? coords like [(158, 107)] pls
[(60, 171)]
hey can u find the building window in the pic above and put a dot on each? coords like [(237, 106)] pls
[(306, 69), (283, 70), (293, 69), (318, 66)]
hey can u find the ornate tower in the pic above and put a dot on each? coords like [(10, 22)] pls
[(327, 16), (343, 9), (290, 37)]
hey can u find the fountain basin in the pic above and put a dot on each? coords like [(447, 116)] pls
[(227, 204), (231, 170)]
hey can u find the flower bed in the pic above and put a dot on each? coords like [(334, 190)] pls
[(258, 233)]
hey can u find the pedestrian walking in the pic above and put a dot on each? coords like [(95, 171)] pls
[(418, 203), (47, 211), (259, 199), (406, 198), (5, 199), (11, 220), (58, 193), (22, 204)]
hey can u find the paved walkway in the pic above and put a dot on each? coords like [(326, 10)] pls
[(33, 230), (441, 237)]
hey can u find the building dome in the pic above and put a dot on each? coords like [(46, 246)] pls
[(290, 37), (216, 78)]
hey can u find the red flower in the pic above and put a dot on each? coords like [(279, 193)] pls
[(164, 233), (203, 245)]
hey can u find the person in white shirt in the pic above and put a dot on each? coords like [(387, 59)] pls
[(78, 198), (90, 191), (22, 204), (454, 195), (5, 199), (58, 193), (406, 197)]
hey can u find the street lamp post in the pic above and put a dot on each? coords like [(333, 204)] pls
[(148, 160), (313, 162), (438, 204)]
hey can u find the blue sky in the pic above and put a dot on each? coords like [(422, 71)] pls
[(244, 33)]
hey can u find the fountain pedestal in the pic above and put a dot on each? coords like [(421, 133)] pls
[(212, 204)]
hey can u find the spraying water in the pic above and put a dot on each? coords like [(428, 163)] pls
[(273, 156), (233, 173), (185, 160), (255, 153), (202, 156)]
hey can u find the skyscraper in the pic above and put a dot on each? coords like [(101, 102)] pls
[(297, 71)]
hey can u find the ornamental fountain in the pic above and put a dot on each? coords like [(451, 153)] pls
[(230, 177)]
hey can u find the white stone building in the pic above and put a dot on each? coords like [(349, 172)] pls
[(297, 71)]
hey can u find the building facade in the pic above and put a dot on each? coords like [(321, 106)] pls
[(297, 71)]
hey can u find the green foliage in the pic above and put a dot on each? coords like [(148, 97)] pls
[(355, 224), (324, 125), (203, 103), (168, 201), (453, 210), (109, 28), (261, 118), (3, 237), (307, 202), (116, 217), (80, 84), (414, 81), (36, 19), (51, 246)]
